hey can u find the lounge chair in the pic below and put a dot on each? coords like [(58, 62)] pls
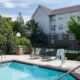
[(35, 56)]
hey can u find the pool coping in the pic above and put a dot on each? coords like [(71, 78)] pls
[(45, 66)]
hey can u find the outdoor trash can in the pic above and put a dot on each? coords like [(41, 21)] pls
[(19, 50)]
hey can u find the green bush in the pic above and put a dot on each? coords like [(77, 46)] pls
[(25, 43), (73, 56), (22, 41), (78, 58)]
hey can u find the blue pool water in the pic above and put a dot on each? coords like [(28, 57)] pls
[(19, 71)]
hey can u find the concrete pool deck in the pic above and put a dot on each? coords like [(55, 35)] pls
[(53, 62)]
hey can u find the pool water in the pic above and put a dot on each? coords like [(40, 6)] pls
[(19, 71)]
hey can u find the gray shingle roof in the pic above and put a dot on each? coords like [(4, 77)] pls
[(65, 10), (47, 10), (59, 11)]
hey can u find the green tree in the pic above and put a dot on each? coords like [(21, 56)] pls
[(20, 19), (33, 27), (19, 26), (74, 27), (6, 35)]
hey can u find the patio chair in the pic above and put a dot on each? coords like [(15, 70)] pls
[(61, 55), (35, 56)]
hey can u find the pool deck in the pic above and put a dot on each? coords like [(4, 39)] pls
[(68, 64)]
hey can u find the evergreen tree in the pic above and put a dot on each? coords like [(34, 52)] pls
[(20, 19), (19, 25), (6, 35)]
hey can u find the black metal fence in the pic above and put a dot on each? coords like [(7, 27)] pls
[(54, 41)]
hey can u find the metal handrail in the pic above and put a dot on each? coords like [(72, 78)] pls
[(62, 76), (3, 56)]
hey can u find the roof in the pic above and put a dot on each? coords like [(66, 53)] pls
[(58, 11), (47, 10), (65, 10)]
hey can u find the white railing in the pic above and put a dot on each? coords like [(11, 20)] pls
[(62, 76), (3, 57)]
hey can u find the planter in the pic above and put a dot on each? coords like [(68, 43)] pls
[(29, 51), (19, 50)]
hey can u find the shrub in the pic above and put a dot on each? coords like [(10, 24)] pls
[(78, 58), (24, 41), (73, 56)]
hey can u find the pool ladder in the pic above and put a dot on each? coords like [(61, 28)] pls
[(62, 76), (3, 57)]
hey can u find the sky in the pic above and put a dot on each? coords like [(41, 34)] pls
[(11, 8)]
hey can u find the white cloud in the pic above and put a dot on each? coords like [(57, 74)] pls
[(26, 17), (3, 1), (47, 1), (14, 17), (11, 4), (22, 5), (26, 3), (8, 5), (14, 5)]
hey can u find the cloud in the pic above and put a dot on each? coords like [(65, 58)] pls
[(14, 17), (8, 5), (26, 3), (47, 1), (26, 17), (15, 3), (22, 5), (3, 1)]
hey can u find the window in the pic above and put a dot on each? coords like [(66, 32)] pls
[(71, 37), (60, 37), (53, 27), (60, 18), (74, 16), (53, 18), (60, 26), (52, 39)]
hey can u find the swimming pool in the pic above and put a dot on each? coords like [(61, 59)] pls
[(20, 71)]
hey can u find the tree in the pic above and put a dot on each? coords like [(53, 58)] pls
[(37, 34), (74, 27), (33, 27), (19, 26), (6, 35), (20, 19)]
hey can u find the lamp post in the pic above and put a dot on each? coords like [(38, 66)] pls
[(18, 34), (19, 48)]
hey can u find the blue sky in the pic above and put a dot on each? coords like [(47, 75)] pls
[(27, 7)]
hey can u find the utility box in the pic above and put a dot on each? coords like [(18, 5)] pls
[(19, 50)]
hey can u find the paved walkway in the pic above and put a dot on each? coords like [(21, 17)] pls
[(53, 62)]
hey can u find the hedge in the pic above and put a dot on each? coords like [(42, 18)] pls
[(73, 56)]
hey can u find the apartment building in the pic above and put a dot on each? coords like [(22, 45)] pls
[(54, 23)]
